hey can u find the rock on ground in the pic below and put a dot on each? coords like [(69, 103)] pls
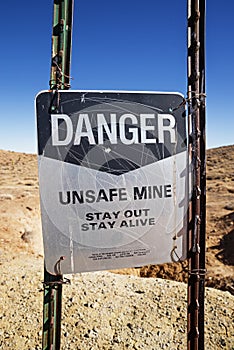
[(103, 310)]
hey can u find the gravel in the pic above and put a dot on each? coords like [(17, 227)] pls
[(103, 310)]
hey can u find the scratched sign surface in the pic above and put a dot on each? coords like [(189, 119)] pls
[(113, 175)]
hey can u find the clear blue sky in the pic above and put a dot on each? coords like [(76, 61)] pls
[(118, 45)]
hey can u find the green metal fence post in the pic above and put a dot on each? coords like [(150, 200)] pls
[(61, 44), (59, 79), (52, 311)]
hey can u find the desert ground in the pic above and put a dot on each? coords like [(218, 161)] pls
[(136, 308)]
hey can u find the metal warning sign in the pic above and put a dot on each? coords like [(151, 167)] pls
[(113, 175)]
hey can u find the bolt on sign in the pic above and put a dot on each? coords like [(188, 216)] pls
[(113, 176)]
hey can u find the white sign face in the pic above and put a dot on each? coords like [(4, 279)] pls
[(113, 175)]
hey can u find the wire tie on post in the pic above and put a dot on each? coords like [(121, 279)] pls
[(198, 272), (58, 273), (60, 73), (183, 103), (174, 253), (199, 97), (57, 266), (63, 280)]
